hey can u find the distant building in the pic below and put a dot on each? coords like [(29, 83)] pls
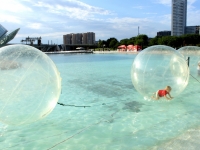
[(90, 38), (84, 38), (178, 21), (4, 37), (79, 38), (179, 16), (67, 39), (164, 33), (192, 30), (73, 40)]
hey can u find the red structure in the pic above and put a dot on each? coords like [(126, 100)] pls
[(122, 48), (130, 47), (133, 48)]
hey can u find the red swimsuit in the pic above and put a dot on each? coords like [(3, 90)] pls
[(162, 93)]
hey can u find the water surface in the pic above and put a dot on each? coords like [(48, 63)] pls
[(103, 110)]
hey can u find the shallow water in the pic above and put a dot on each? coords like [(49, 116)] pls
[(104, 111)]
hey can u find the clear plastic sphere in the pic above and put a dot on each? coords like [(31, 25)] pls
[(30, 85), (192, 55), (159, 66)]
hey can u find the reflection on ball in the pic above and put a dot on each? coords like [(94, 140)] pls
[(192, 54), (30, 84), (158, 66)]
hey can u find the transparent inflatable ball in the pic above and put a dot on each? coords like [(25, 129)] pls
[(159, 66), (30, 85)]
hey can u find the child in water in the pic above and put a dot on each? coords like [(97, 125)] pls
[(198, 68), (163, 93)]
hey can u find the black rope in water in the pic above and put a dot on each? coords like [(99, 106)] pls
[(188, 61), (93, 105), (195, 78), (71, 105)]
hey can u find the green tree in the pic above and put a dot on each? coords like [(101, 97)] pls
[(165, 40), (100, 43), (124, 42), (104, 43), (131, 41), (191, 39), (142, 40), (153, 41), (113, 44), (110, 39)]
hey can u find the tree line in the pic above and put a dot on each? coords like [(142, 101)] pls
[(144, 41)]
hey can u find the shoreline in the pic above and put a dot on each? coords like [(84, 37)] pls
[(114, 52), (69, 52), (94, 52)]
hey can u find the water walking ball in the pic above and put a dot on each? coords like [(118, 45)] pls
[(30, 85), (192, 55), (159, 66)]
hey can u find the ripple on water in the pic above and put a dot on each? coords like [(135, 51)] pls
[(119, 118)]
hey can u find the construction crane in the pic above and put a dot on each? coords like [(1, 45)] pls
[(31, 40)]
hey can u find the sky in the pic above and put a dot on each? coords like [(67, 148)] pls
[(51, 19)]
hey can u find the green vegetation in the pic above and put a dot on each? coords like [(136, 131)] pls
[(144, 41)]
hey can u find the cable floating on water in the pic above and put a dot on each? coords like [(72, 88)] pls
[(71, 105), (195, 78)]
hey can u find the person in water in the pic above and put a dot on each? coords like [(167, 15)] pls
[(163, 93), (198, 68)]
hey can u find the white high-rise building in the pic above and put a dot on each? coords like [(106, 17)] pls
[(67, 39), (84, 38), (79, 38), (179, 16), (73, 38), (90, 38)]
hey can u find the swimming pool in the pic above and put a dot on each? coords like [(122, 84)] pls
[(104, 112)]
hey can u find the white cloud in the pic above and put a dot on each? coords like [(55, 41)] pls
[(128, 20), (150, 13), (73, 9), (190, 2), (127, 23), (164, 2), (35, 26), (138, 7), (54, 35), (165, 19), (9, 18), (169, 2), (192, 17), (91, 9), (14, 6)]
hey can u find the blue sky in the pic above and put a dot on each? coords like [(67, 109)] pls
[(51, 19)]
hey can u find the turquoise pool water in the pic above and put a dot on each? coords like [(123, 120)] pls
[(104, 111)]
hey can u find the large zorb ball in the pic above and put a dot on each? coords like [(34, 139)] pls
[(30, 85), (158, 66), (192, 55)]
